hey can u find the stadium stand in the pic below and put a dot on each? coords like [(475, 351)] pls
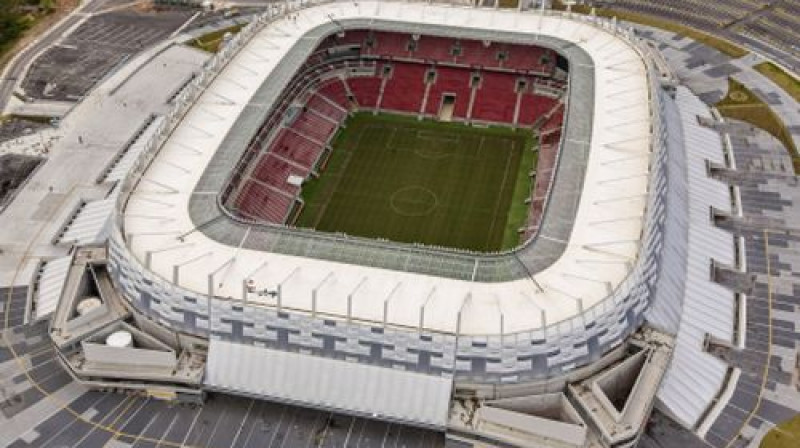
[(293, 146), (495, 98), (390, 45), (262, 203), (335, 91), (394, 72), (479, 54), (433, 48), (454, 82), (312, 126), (327, 107), (533, 106), (366, 90), (530, 59), (405, 88)]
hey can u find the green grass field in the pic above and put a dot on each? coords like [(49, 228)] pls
[(406, 180), (785, 435)]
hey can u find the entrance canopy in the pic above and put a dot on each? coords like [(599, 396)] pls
[(336, 385)]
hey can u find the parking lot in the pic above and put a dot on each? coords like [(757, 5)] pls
[(68, 70)]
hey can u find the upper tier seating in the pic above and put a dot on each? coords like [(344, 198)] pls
[(495, 99), (405, 89), (279, 152), (453, 81)]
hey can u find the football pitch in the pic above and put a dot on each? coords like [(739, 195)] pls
[(446, 184)]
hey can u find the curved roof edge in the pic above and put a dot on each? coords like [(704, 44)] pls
[(531, 257), (602, 250)]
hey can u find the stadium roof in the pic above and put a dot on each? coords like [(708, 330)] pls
[(600, 250), (695, 376)]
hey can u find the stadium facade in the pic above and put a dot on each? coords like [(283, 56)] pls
[(599, 294)]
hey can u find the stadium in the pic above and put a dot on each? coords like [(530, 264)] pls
[(497, 223), (572, 292)]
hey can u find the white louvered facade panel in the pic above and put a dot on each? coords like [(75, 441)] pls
[(90, 225), (695, 377), (336, 385), (51, 283)]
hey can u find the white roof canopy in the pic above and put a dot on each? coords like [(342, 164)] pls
[(348, 387)]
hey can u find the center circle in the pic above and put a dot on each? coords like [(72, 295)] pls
[(413, 201)]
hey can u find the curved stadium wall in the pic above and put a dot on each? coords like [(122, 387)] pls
[(547, 352)]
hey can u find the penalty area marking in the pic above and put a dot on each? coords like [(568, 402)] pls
[(413, 201)]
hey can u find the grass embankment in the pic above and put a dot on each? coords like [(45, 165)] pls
[(212, 42), (785, 435), (406, 180), (742, 104), (16, 18), (785, 81), (721, 45)]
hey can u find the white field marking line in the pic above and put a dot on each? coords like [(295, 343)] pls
[(169, 428), (326, 430), (147, 426), (310, 440), (291, 422), (500, 195), (216, 424), (349, 430), (386, 434), (189, 431), (119, 432), (361, 433), (244, 420), (335, 189), (260, 413), (280, 422)]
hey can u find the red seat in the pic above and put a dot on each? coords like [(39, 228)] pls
[(334, 90), (326, 108), (533, 107), (391, 44), (496, 98), (435, 48), (260, 203), (454, 81), (313, 126), (296, 148), (366, 90), (405, 89), (475, 53)]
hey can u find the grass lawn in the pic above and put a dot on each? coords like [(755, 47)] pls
[(785, 435), (777, 75), (722, 45), (742, 104), (405, 180), (211, 42)]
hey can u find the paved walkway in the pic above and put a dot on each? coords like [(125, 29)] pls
[(92, 135), (765, 389)]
